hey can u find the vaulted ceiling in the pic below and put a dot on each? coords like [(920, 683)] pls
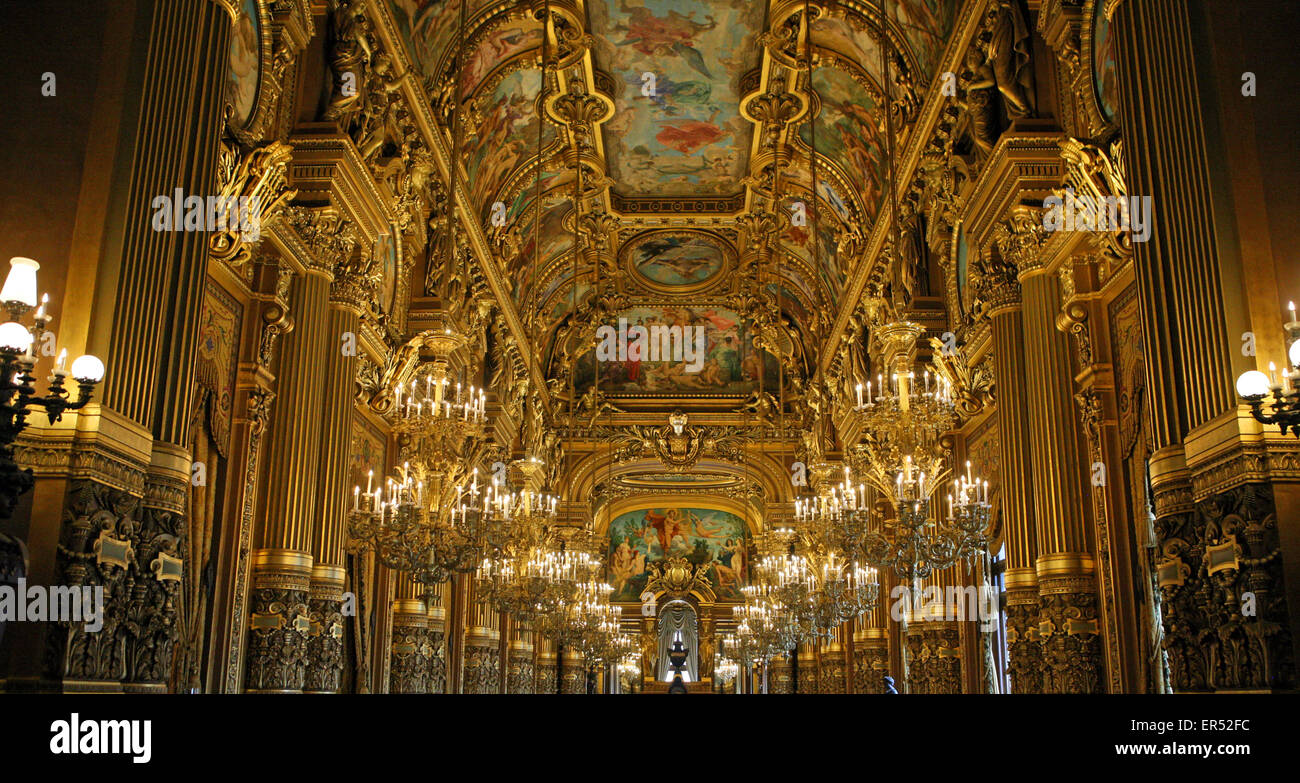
[(677, 146)]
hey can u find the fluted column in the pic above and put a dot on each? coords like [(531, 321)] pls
[(1067, 619), (1209, 461), (997, 285), (131, 453), (325, 647), (282, 566)]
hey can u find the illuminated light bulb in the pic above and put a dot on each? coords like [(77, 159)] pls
[(1251, 383), (15, 337)]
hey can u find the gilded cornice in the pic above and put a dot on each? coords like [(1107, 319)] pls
[(1024, 167), (327, 168), (1233, 449)]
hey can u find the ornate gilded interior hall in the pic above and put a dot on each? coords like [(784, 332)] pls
[(621, 347)]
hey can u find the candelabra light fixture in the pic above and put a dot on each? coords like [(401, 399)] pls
[(17, 385), (416, 525), (921, 538), (1271, 401)]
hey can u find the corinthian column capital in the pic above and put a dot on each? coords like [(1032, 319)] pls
[(1020, 239)]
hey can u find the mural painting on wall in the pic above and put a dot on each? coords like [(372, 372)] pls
[(218, 342), (1104, 73), (677, 259), (702, 536), (729, 365), (367, 453), (686, 136), (244, 71)]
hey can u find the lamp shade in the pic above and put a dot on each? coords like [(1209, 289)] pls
[(1293, 353), (14, 337), (1252, 383), (87, 369), (20, 285)]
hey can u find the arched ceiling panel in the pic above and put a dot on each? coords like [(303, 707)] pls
[(685, 138)]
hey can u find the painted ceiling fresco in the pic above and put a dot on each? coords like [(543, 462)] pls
[(687, 137), (681, 137), (676, 259)]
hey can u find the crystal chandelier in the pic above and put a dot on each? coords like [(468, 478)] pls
[(765, 629), (578, 621), (1283, 399)]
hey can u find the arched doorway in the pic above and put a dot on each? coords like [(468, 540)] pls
[(678, 619)]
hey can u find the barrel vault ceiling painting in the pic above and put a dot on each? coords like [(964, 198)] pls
[(685, 130)]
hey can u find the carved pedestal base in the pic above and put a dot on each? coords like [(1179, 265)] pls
[(779, 677), (545, 675), (870, 661), (277, 639), (519, 672), (325, 640), (412, 650), (482, 661), (1071, 642), (1025, 664), (942, 644), (573, 674), (1223, 604)]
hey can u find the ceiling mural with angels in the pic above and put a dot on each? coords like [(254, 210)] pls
[(677, 130), (668, 79)]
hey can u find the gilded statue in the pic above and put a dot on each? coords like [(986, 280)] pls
[(1009, 54)]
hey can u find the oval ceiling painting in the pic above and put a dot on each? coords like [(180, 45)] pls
[(676, 261)]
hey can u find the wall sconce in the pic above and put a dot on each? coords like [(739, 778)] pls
[(1272, 402), (17, 392)]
